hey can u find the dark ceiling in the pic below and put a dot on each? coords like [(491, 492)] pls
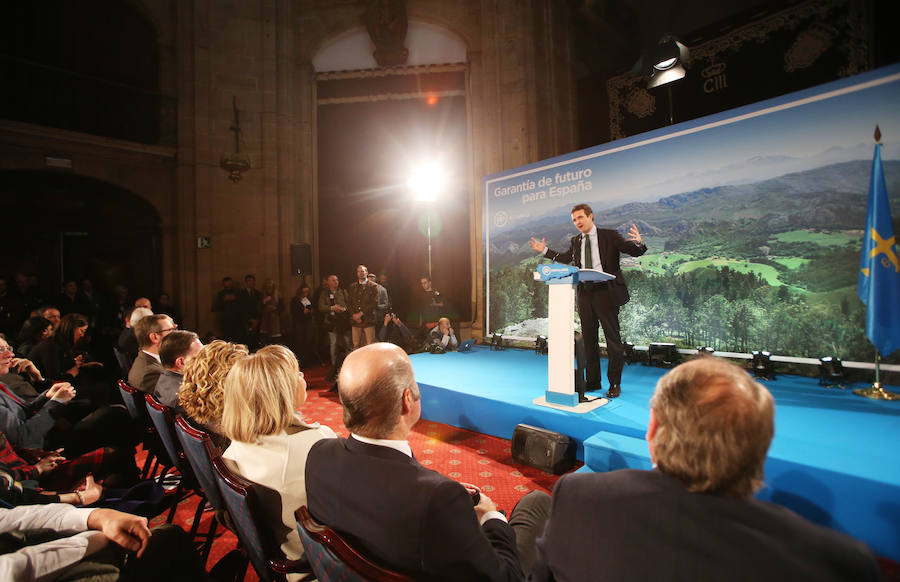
[(610, 36)]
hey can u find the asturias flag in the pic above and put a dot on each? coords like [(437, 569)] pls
[(879, 267)]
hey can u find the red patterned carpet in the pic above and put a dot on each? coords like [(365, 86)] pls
[(462, 455)]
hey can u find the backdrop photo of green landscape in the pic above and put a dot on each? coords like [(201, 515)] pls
[(771, 264)]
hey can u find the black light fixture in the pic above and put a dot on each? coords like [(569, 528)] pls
[(540, 345), (667, 62), (831, 372), (497, 341), (663, 355), (762, 365), (705, 350)]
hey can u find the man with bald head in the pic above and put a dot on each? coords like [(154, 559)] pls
[(371, 490), (693, 517)]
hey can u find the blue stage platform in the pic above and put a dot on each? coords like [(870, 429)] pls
[(834, 459)]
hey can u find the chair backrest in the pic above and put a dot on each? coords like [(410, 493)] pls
[(199, 451), (124, 361), (163, 419), (134, 402), (256, 539), (333, 559)]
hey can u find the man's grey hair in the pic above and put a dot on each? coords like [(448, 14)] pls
[(714, 427), (137, 314), (374, 410)]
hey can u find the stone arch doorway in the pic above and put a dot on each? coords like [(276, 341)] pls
[(62, 226), (374, 126)]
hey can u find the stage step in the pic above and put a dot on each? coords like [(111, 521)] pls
[(607, 451)]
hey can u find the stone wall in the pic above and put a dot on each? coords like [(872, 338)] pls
[(258, 55)]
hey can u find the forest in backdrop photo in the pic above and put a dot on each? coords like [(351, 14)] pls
[(753, 221)]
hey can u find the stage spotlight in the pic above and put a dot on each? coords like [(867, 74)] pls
[(831, 372), (630, 355), (427, 181), (705, 350), (667, 62), (663, 355), (762, 365), (540, 345), (497, 341)]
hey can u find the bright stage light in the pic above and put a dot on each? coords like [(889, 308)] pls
[(427, 181)]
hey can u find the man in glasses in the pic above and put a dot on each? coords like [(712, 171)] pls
[(146, 369)]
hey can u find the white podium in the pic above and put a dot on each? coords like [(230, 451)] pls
[(561, 281)]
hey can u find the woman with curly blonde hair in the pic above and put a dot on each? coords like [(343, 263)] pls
[(201, 395)]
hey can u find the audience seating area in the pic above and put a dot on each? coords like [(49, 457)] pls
[(203, 492), (210, 493)]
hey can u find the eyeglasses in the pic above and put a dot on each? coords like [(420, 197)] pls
[(163, 331), (9, 349)]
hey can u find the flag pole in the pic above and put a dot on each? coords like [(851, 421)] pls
[(877, 391)]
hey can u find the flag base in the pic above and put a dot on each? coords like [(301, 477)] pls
[(876, 392)]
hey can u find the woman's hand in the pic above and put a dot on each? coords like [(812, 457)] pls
[(91, 492), (49, 462)]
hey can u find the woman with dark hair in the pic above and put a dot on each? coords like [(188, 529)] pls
[(62, 358), (34, 331)]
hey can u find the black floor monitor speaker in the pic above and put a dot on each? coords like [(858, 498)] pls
[(543, 449), (301, 259)]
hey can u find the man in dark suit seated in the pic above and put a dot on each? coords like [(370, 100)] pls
[(147, 369), (371, 490), (693, 516), (174, 352)]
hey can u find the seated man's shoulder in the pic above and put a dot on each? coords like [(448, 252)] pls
[(792, 526), (327, 447), (623, 480)]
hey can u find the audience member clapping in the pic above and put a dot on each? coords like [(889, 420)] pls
[(202, 393), (269, 439), (46, 423), (63, 357)]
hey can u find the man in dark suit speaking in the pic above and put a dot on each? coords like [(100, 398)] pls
[(598, 303), (371, 490), (693, 516)]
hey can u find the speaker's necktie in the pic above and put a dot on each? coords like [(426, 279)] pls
[(588, 253)]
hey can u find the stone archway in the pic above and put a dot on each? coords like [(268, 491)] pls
[(373, 127), (63, 226)]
